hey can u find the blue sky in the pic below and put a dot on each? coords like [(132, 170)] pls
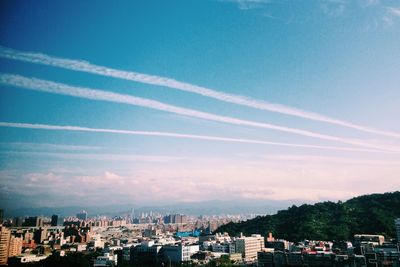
[(335, 58)]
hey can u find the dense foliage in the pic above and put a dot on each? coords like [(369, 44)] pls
[(373, 214)]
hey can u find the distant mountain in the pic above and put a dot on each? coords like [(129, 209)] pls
[(211, 207), (372, 214)]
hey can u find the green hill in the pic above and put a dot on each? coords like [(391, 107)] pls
[(372, 214)]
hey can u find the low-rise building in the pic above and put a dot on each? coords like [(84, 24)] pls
[(107, 260)]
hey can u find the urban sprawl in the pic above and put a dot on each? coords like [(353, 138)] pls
[(154, 239)]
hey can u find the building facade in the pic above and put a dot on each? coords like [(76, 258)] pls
[(249, 246), (15, 247), (5, 235)]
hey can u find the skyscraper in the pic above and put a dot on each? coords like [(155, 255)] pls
[(33, 222), (5, 235), (40, 235), (54, 220), (132, 214), (397, 224), (17, 222), (175, 218)]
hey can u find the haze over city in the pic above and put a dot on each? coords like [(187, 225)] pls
[(157, 102)]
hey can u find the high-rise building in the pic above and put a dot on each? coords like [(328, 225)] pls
[(175, 218), (183, 219), (33, 222), (5, 235), (132, 214), (249, 246), (40, 235), (17, 222), (82, 215), (15, 247), (397, 224), (54, 220)]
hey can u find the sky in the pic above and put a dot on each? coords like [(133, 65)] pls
[(155, 102)]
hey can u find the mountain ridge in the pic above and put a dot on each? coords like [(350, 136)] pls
[(372, 214)]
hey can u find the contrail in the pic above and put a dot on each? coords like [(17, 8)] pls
[(94, 94), (175, 135), (84, 66)]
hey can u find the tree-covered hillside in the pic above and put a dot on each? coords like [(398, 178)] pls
[(373, 214)]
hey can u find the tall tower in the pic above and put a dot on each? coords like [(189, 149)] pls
[(54, 220), (132, 214), (397, 224), (5, 235)]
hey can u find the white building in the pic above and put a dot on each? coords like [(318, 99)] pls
[(249, 246), (375, 240), (179, 253)]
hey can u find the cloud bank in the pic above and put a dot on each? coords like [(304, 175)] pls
[(195, 182)]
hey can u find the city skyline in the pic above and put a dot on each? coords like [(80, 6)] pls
[(156, 102)]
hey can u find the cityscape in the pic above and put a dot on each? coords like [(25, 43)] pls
[(154, 239), (161, 133)]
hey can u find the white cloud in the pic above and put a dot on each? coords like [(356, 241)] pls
[(388, 20), (394, 11), (93, 94), (333, 7), (177, 135), (248, 4), (391, 13), (202, 179), (46, 146), (97, 156), (370, 3)]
